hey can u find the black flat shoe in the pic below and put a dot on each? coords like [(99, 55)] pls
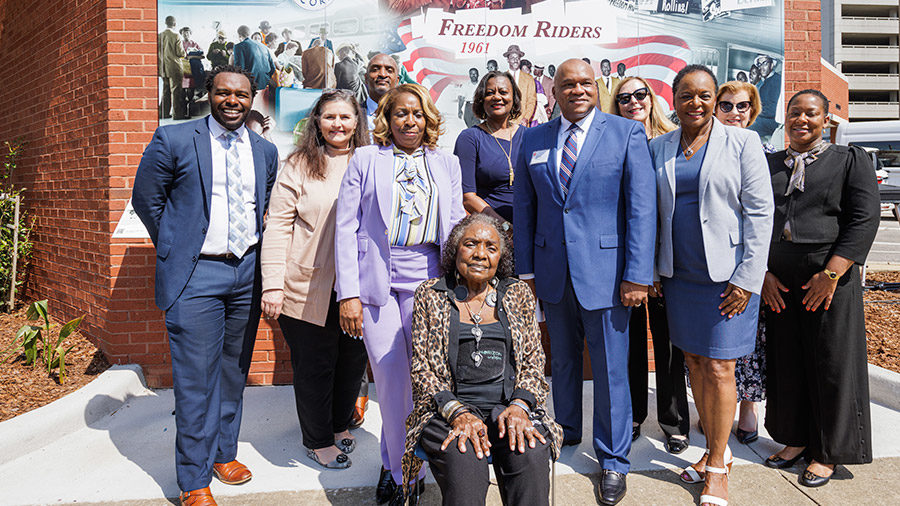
[(612, 487), (386, 487), (776, 462), (744, 437), (676, 445), (812, 480), (635, 432)]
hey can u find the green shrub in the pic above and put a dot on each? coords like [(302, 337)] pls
[(7, 219)]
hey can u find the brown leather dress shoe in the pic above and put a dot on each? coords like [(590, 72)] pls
[(232, 473), (359, 412), (199, 497)]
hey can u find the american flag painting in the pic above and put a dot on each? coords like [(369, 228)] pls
[(432, 67), (655, 58)]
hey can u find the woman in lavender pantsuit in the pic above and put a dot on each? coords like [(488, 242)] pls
[(397, 203)]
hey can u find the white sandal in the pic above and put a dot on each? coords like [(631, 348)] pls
[(695, 476), (713, 499)]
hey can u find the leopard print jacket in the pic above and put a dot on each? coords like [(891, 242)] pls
[(430, 368)]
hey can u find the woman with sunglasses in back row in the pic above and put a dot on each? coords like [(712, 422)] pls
[(635, 100), (738, 105)]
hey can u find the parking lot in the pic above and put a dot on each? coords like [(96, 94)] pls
[(886, 250)]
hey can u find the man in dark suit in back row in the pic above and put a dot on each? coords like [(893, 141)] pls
[(201, 190)]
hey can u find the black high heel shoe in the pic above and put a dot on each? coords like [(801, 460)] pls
[(776, 462), (746, 437), (812, 480)]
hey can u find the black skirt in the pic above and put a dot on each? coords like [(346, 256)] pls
[(818, 383)]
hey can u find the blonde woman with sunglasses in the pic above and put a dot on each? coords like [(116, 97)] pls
[(634, 99)]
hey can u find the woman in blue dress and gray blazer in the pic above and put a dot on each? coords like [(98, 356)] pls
[(715, 222)]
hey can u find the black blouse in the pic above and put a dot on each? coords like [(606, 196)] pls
[(840, 204)]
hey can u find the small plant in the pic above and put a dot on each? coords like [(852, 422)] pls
[(36, 340)]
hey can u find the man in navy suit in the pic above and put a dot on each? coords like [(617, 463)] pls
[(585, 229), (201, 191)]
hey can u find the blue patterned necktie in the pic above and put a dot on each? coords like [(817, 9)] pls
[(569, 155), (238, 229)]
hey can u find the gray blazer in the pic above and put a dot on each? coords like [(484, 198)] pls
[(736, 205)]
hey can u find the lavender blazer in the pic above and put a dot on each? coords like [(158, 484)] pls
[(362, 252)]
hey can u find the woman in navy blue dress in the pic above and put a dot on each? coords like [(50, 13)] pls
[(486, 151), (715, 206)]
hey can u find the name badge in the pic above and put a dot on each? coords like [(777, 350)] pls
[(540, 156)]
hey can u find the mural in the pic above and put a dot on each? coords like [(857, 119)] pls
[(298, 47)]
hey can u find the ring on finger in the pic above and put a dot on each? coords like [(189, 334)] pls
[(481, 433)]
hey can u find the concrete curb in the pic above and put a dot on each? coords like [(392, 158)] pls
[(77, 410), (884, 387)]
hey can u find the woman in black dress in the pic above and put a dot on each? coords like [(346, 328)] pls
[(826, 218)]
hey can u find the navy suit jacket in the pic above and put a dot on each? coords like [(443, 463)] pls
[(172, 195), (605, 230)]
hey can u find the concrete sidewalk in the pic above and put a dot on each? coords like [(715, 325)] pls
[(127, 457)]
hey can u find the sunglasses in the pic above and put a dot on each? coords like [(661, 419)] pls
[(639, 94), (728, 106)]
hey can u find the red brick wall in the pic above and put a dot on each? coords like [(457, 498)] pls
[(86, 107), (802, 45), (835, 87), (54, 99)]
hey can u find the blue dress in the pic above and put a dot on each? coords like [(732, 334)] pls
[(692, 298), (485, 169)]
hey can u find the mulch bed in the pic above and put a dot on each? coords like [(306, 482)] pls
[(23, 388), (883, 321)]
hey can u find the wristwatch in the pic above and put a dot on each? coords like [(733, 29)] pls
[(831, 274)]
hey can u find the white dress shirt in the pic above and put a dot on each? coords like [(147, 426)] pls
[(216, 242), (371, 107), (580, 134)]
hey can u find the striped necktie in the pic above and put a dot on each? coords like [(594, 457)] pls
[(569, 155), (238, 229)]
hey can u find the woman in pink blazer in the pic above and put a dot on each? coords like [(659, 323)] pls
[(397, 203)]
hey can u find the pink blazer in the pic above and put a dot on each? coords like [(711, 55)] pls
[(362, 252)]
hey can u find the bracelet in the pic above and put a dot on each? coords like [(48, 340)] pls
[(521, 404), (457, 413), (449, 408)]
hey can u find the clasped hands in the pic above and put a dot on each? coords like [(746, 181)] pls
[(513, 421), (819, 292)]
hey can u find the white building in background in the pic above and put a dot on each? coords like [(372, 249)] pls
[(862, 39)]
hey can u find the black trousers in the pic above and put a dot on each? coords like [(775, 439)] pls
[(523, 478), (327, 366), (818, 383), (672, 410)]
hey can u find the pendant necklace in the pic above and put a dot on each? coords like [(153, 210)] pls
[(476, 330), (508, 154), (689, 150)]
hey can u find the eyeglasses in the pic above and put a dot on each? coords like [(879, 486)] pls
[(639, 94), (728, 106)]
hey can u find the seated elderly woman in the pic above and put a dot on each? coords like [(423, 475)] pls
[(478, 375)]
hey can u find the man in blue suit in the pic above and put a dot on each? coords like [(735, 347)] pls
[(585, 229), (201, 191), (254, 58)]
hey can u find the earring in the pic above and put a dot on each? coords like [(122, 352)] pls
[(460, 291)]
